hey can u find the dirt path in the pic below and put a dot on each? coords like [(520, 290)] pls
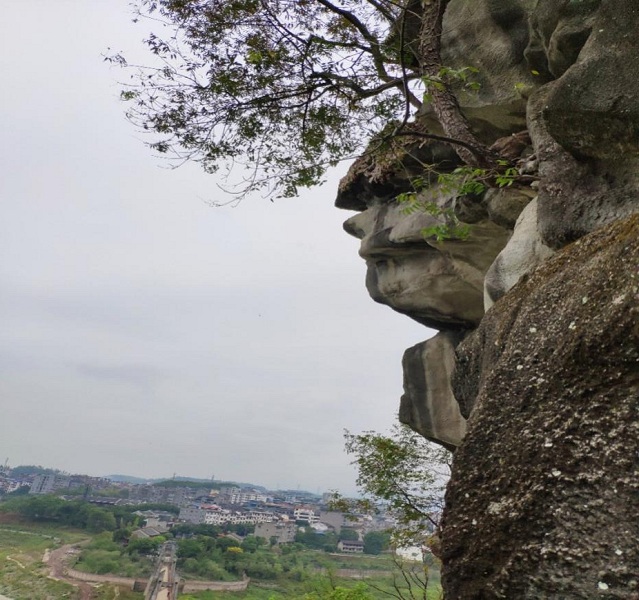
[(56, 560), (17, 562)]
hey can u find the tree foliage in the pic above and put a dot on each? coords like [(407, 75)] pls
[(405, 473), (317, 541), (286, 88), (76, 513), (376, 542)]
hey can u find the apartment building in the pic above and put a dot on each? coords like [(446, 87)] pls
[(307, 514), (48, 484), (282, 532)]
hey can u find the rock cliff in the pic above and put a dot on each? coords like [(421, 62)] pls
[(537, 310)]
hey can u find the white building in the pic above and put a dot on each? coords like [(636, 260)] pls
[(193, 515), (305, 514), (282, 532), (47, 484)]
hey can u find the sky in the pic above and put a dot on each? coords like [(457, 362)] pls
[(145, 332)]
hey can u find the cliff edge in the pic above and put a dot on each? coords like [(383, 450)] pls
[(533, 378)]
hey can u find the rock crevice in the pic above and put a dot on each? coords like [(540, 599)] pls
[(537, 311)]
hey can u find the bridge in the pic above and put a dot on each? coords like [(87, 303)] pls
[(163, 584)]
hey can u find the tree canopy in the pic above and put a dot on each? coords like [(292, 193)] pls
[(284, 88), (404, 472)]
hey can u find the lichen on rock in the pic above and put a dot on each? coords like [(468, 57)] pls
[(544, 495), (549, 469)]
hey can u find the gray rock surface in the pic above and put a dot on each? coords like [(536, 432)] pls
[(544, 496), (504, 205), (428, 405), (585, 125), (523, 252), (439, 284)]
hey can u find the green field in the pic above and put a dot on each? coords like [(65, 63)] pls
[(322, 577), (308, 574), (22, 575)]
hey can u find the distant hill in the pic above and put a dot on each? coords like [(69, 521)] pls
[(128, 479), (204, 483), (179, 480), (27, 470)]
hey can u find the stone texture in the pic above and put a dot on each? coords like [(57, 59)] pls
[(558, 31), (377, 180), (439, 284), (523, 252), (504, 205), (428, 405), (592, 110), (585, 125), (492, 36), (544, 496)]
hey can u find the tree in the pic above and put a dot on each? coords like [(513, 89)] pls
[(405, 473), (375, 542), (122, 534), (286, 88), (189, 548), (358, 592), (145, 545), (252, 543), (348, 534), (100, 520)]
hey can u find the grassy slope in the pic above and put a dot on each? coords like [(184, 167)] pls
[(23, 577), (22, 574), (284, 589)]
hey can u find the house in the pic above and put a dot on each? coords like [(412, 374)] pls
[(282, 532), (193, 515), (48, 484), (236, 538), (334, 519), (145, 532), (305, 513), (350, 546)]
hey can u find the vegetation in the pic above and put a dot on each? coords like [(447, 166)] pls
[(280, 572), (102, 555), (463, 181), (286, 88), (21, 550), (74, 513), (376, 541), (320, 587), (397, 470), (403, 471), (23, 471)]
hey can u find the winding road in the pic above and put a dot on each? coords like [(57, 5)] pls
[(56, 559)]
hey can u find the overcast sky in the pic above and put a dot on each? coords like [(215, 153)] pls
[(144, 332)]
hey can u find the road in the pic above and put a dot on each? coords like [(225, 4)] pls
[(56, 560), (163, 583)]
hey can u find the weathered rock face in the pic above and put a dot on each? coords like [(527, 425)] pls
[(428, 403), (523, 252), (544, 496), (439, 284)]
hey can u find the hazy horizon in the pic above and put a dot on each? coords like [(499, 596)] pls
[(144, 331)]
